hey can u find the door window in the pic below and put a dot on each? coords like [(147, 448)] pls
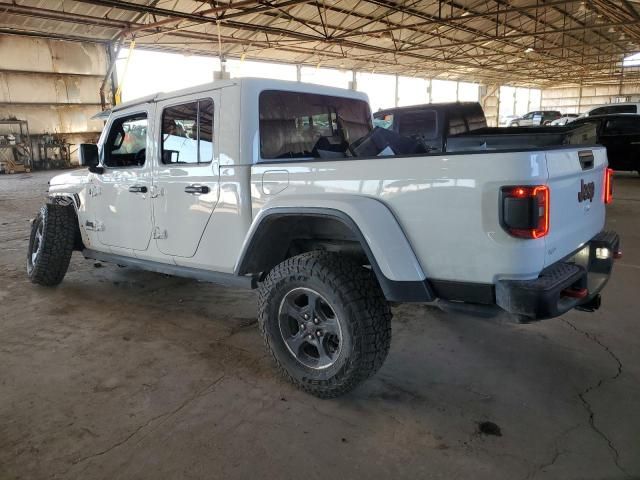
[(126, 144), (187, 133)]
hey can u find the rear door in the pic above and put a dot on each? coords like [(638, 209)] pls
[(576, 196), (186, 178)]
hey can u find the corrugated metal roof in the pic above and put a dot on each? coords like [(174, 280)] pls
[(525, 42)]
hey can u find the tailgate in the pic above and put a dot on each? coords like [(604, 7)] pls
[(577, 210)]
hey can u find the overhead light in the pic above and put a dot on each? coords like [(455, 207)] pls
[(622, 37), (528, 50), (611, 30)]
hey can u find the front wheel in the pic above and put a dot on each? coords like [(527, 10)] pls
[(51, 244), (325, 321)]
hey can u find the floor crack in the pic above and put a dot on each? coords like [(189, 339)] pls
[(557, 453), (591, 388), (165, 415)]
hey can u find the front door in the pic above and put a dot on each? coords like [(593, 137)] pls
[(186, 176), (122, 193)]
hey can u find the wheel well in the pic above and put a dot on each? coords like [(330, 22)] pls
[(284, 236)]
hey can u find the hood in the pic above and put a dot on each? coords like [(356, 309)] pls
[(74, 177)]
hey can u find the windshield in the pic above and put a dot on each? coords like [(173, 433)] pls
[(307, 125)]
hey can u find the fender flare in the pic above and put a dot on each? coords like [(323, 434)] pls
[(70, 200), (373, 225)]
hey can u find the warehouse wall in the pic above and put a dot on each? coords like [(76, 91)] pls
[(52, 84), (581, 99)]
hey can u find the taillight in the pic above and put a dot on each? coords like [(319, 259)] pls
[(525, 211), (608, 185)]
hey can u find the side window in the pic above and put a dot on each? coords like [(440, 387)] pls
[(475, 117), (418, 124), (622, 109), (309, 125), (383, 121), (187, 133), (622, 126), (457, 124), (205, 127), (126, 144)]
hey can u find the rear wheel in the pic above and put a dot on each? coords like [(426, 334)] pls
[(325, 321), (51, 244)]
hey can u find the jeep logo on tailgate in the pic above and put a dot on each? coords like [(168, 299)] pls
[(587, 191)]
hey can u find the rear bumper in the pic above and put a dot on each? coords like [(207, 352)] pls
[(572, 283)]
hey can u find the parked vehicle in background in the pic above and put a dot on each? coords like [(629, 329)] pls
[(268, 184), (534, 119), (620, 133), (632, 108), (563, 120), (462, 127), (430, 124), (506, 119)]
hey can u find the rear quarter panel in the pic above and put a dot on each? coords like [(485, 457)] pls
[(448, 205)]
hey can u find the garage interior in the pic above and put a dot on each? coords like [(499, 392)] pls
[(119, 373)]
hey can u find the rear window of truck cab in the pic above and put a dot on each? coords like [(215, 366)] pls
[(308, 125)]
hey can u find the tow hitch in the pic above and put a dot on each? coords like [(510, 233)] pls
[(592, 305)]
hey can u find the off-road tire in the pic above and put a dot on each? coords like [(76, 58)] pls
[(57, 224), (356, 297)]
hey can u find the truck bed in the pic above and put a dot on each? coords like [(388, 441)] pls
[(506, 138)]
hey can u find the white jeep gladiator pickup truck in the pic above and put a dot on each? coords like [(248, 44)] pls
[(258, 183)]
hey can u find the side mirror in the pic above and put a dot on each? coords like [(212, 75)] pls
[(88, 155)]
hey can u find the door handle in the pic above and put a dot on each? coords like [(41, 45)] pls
[(138, 189), (196, 189)]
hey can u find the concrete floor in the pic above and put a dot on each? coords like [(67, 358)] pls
[(125, 374)]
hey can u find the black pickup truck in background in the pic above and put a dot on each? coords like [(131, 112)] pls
[(620, 133), (462, 126)]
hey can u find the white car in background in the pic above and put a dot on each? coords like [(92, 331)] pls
[(534, 119), (506, 120), (623, 107), (563, 120)]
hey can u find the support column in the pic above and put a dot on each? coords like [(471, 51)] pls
[(353, 84), (397, 91), (429, 90), (579, 98), (299, 73), (222, 74)]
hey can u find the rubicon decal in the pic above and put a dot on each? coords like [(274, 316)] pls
[(587, 191)]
